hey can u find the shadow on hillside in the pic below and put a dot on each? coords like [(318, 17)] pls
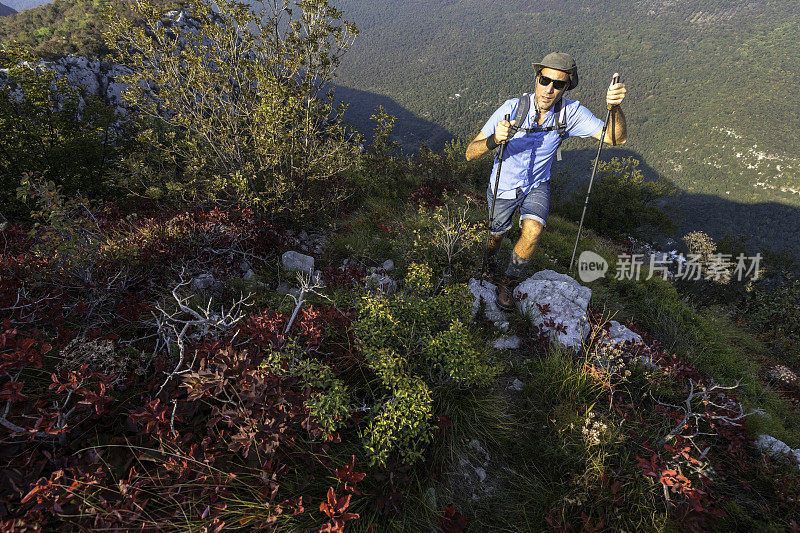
[(766, 224), (410, 130), (771, 224)]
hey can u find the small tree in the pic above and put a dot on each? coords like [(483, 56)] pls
[(623, 202), (45, 129), (238, 100)]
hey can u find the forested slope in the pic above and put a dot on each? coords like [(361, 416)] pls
[(711, 102)]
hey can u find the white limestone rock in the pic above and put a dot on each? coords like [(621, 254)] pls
[(619, 333), (486, 292), (296, 262), (507, 343), (774, 447), (567, 302)]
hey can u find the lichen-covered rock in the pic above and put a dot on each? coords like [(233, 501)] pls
[(296, 262), (561, 310), (486, 293)]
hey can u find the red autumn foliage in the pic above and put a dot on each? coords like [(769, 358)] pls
[(452, 521)]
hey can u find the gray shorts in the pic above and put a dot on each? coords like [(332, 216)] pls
[(535, 206)]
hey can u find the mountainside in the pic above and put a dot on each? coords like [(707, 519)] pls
[(710, 102), (21, 5), (65, 26), (5, 10)]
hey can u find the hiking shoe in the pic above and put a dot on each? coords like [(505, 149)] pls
[(505, 293)]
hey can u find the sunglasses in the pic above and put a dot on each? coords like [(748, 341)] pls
[(557, 84)]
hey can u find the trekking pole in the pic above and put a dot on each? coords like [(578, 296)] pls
[(614, 80), (491, 212)]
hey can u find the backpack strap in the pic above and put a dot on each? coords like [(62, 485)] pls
[(523, 107), (561, 124)]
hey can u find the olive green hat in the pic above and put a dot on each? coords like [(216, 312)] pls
[(560, 61)]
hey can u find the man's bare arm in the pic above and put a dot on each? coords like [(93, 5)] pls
[(617, 130), (482, 144)]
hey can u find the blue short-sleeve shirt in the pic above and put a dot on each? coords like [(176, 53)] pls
[(528, 156)]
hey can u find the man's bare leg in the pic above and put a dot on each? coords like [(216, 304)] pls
[(526, 245)]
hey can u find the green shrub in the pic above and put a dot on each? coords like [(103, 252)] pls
[(44, 131), (415, 341), (446, 237), (329, 402), (402, 424), (456, 355), (236, 117), (624, 203)]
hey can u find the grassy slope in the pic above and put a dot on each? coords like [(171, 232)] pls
[(540, 463)]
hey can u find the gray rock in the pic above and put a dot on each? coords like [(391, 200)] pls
[(430, 498), (388, 265), (282, 288), (567, 301), (774, 447), (248, 275), (507, 343), (380, 282), (203, 282), (295, 261), (244, 266), (486, 292), (516, 385)]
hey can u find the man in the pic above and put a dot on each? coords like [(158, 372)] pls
[(528, 156)]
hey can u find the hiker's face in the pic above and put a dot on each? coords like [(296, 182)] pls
[(547, 95)]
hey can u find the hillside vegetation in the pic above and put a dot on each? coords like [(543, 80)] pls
[(711, 101), (710, 106), (234, 313), (66, 27)]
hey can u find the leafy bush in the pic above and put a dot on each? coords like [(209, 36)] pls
[(329, 403), (624, 203), (412, 342), (47, 128), (240, 117), (445, 236), (771, 306)]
